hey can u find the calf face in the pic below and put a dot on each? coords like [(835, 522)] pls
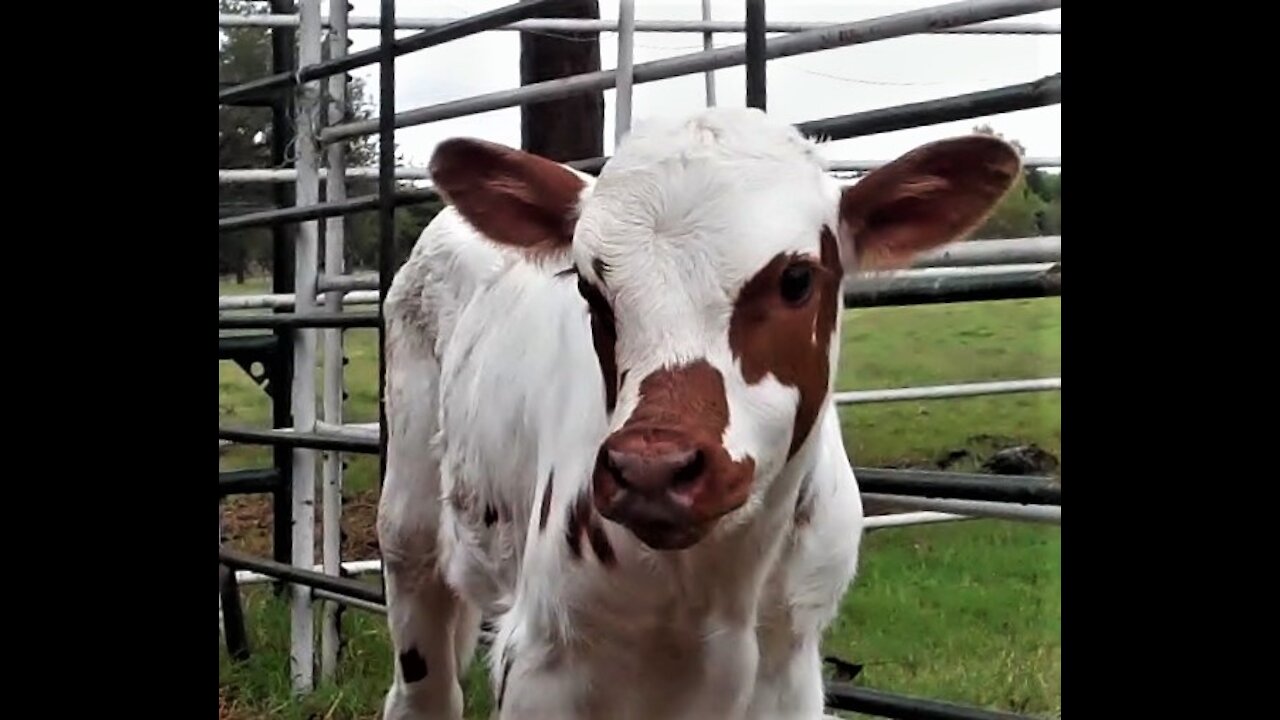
[(709, 255)]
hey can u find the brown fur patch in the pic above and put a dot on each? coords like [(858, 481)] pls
[(792, 343), (513, 197), (583, 520), (934, 194), (604, 338), (692, 400)]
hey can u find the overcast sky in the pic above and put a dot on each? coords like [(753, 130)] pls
[(805, 87)]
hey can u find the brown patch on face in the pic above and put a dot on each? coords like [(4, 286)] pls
[(513, 197), (582, 520), (604, 338), (770, 335), (546, 502)]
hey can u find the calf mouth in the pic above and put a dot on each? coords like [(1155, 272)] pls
[(658, 528)]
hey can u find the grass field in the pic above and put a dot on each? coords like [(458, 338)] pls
[(966, 612)]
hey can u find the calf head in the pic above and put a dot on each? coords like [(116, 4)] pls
[(709, 255)]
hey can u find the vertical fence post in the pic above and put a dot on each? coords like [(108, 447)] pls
[(386, 211), (306, 265), (282, 254), (708, 42), (756, 82), (626, 57), (334, 358)]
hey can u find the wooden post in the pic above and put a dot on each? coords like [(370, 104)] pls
[(571, 128)]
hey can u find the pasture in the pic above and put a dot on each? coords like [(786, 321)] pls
[(967, 612)]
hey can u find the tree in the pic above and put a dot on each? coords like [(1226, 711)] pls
[(244, 141)]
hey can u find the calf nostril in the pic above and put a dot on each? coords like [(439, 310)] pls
[(689, 472), (612, 466)]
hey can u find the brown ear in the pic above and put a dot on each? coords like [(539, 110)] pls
[(933, 195), (511, 196)]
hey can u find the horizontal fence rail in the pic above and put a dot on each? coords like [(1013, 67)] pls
[(972, 508), (576, 25), (317, 211), (1025, 490), (902, 289), (344, 587), (299, 320), (1010, 98), (238, 176), (420, 41), (1042, 249), (844, 696), (351, 443), (843, 35), (933, 392)]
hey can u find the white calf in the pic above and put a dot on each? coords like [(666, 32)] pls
[(610, 416)]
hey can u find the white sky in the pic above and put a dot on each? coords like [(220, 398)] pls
[(806, 87)]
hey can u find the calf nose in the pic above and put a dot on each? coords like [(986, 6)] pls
[(656, 482), (654, 472)]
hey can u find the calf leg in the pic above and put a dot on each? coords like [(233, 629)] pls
[(423, 613)]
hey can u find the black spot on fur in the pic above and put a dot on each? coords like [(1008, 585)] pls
[(413, 667), (600, 267), (546, 502), (490, 515), (573, 532), (502, 686)]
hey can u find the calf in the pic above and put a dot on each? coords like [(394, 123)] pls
[(610, 416)]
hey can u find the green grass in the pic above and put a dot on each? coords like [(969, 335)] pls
[(965, 612)]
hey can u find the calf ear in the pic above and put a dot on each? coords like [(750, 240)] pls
[(513, 197), (933, 195)]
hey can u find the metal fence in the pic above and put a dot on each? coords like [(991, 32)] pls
[(308, 296)]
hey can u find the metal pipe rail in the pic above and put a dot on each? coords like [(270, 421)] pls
[(348, 283), (1051, 514), (1010, 98), (933, 392), (284, 301), (254, 89), (316, 211), (1020, 489), (232, 176), (864, 31), (299, 320), (350, 568), (898, 290), (248, 482), (862, 166), (339, 586), (578, 25), (1043, 249), (844, 696), (297, 439), (909, 519)]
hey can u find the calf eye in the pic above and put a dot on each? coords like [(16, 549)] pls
[(796, 283)]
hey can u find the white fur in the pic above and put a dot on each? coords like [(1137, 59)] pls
[(492, 384)]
